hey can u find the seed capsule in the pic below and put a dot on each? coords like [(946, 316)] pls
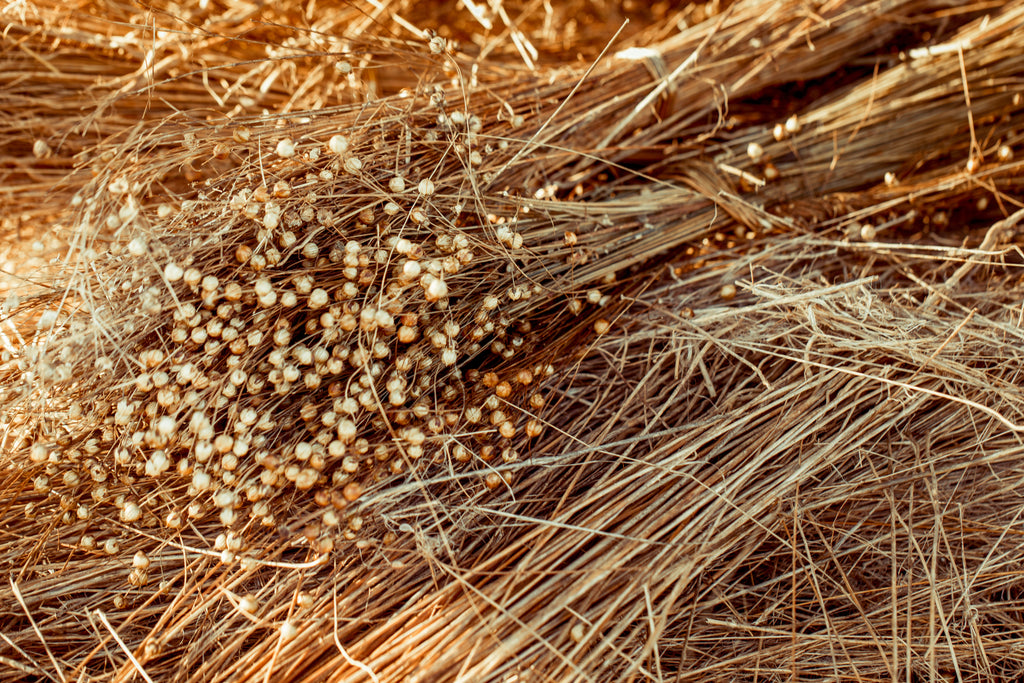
[(130, 512), (39, 453), (173, 272), (285, 148), (755, 152), (437, 289), (306, 478), (353, 165), (248, 604), (352, 491), (319, 298), (338, 144), (140, 560), (410, 271)]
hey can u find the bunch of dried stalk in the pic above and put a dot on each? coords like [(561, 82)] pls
[(433, 356)]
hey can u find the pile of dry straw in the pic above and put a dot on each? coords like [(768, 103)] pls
[(512, 341)]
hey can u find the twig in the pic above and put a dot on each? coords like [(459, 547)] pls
[(124, 648), (992, 237), (35, 627)]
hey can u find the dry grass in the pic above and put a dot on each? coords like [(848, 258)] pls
[(696, 400)]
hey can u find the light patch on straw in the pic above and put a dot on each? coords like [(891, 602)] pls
[(935, 50), (749, 177)]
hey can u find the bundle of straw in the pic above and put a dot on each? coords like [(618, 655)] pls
[(396, 388)]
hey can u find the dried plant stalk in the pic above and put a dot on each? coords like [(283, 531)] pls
[(526, 372)]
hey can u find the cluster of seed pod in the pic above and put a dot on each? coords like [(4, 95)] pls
[(311, 347)]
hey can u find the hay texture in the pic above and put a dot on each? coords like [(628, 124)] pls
[(512, 342)]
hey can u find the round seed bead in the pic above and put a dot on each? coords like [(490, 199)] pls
[(755, 152), (410, 271), (140, 560), (319, 298), (436, 289), (306, 478), (285, 148), (39, 453), (173, 272), (248, 604), (352, 491), (338, 144), (262, 287), (346, 430), (130, 512), (166, 426)]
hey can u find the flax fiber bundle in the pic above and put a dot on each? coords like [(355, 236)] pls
[(373, 353)]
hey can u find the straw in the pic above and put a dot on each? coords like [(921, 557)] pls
[(579, 397)]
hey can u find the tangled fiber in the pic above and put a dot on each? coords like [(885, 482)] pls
[(511, 342)]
